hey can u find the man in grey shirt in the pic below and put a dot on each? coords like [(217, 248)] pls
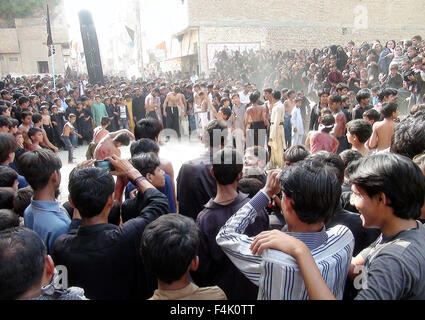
[(389, 191), (238, 116)]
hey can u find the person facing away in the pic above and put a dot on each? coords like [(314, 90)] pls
[(215, 268), (111, 143), (310, 195), (41, 168), (322, 139), (383, 131), (358, 133), (27, 272), (195, 184), (169, 247), (100, 257)]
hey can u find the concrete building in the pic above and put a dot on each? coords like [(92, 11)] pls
[(210, 25), (23, 49)]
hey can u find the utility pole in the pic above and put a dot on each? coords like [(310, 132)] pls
[(140, 47)]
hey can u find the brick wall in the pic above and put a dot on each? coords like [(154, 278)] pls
[(287, 24)]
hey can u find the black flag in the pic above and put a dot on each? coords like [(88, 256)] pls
[(49, 34)]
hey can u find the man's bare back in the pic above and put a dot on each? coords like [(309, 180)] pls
[(382, 134), (106, 148)]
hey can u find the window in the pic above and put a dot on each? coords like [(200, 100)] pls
[(43, 66)]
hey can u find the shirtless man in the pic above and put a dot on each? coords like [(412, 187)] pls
[(334, 102), (383, 131), (171, 105), (98, 134), (256, 122), (25, 126), (152, 104), (111, 142), (37, 119)]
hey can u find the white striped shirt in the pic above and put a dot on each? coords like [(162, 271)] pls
[(276, 273)]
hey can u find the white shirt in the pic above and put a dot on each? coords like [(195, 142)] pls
[(244, 97)]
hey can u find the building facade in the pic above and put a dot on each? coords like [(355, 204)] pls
[(23, 49), (290, 24)]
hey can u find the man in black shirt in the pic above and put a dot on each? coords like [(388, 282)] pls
[(100, 257), (363, 98), (138, 105)]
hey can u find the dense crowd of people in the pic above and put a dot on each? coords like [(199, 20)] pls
[(313, 175)]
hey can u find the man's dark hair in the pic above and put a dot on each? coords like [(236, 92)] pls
[(295, 153), (7, 146), (22, 199), (215, 133), (388, 109), (147, 128), (268, 90), (143, 146), (37, 166), (362, 94), (36, 118), (330, 159), (227, 165), (23, 100), (335, 98), (89, 189), (146, 163), (372, 114), (8, 176), (402, 182), (22, 256), (276, 95), (361, 128), (6, 197), (33, 131), (13, 123), (4, 121), (104, 121), (8, 219), (168, 246), (122, 138), (314, 189), (409, 135), (349, 156), (386, 93), (250, 186)]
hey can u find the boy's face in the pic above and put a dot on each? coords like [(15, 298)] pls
[(367, 119), (37, 138), (4, 129), (72, 119), (54, 110), (98, 100), (226, 103), (367, 207), (27, 120), (157, 179), (13, 130)]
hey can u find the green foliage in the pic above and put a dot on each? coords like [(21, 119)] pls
[(11, 9)]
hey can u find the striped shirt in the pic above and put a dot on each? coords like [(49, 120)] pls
[(276, 273)]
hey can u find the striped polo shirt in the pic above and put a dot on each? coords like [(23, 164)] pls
[(276, 273)]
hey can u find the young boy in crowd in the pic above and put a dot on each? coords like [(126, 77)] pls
[(358, 133), (383, 131), (148, 165), (372, 116), (37, 120), (35, 136), (297, 123), (169, 248), (8, 178), (68, 131)]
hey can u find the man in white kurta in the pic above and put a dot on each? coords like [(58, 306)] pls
[(277, 132), (297, 124)]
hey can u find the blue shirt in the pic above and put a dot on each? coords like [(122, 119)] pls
[(167, 190), (48, 219), (21, 180)]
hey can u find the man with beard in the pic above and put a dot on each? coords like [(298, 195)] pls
[(41, 168)]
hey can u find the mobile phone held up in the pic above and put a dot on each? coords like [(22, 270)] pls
[(105, 164)]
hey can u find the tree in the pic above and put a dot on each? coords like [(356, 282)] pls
[(11, 9)]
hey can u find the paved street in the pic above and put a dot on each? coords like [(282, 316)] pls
[(176, 152)]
